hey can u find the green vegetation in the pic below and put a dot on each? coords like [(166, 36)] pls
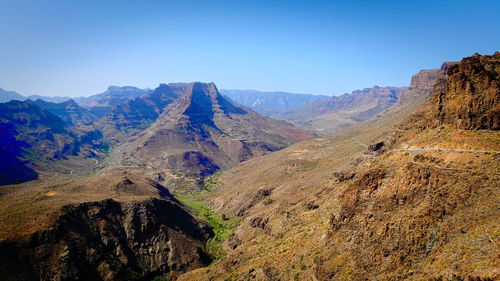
[(95, 172), (211, 182), (222, 228)]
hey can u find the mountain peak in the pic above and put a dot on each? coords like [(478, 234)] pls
[(200, 132)]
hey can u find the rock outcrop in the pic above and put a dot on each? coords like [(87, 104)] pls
[(429, 77), (110, 240), (426, 78), (469, 97)]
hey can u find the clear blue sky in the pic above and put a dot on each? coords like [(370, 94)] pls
[(325, 47)]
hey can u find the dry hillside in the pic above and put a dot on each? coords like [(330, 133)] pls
[(403, 196)]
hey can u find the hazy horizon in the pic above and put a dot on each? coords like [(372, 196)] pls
[(59, 48)]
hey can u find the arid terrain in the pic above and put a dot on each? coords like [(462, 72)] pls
[(387, 199), (181, 183)]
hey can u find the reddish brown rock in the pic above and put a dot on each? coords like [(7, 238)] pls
[(469, 97)]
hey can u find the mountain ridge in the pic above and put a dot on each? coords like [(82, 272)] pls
[(270, 103)]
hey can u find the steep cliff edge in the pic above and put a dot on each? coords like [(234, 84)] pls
[(109, 240)]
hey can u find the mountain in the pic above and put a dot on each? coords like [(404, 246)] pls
[(328, 115), (100, 104), (129, 118), (270, 103), (408, 195), (6, 96), (31, 136), (200, 132), (69, 111)]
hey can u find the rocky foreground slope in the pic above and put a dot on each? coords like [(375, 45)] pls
[(394, 198), (118, 225), (110, 240)]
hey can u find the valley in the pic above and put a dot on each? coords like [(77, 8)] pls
[(183, 183)]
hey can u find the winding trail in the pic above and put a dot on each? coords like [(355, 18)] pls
[(360, 143), (445, 149), (432, 149)]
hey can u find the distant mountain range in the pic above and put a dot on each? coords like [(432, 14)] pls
[(192, 129), (6, 96), (270, 103), (98, 104), (322, 114), (326, 116), (69, 111), (101, 103)]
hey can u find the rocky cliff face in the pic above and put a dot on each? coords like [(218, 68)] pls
[(427, 78), (431, 219), (469, 97), (110, 240)]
